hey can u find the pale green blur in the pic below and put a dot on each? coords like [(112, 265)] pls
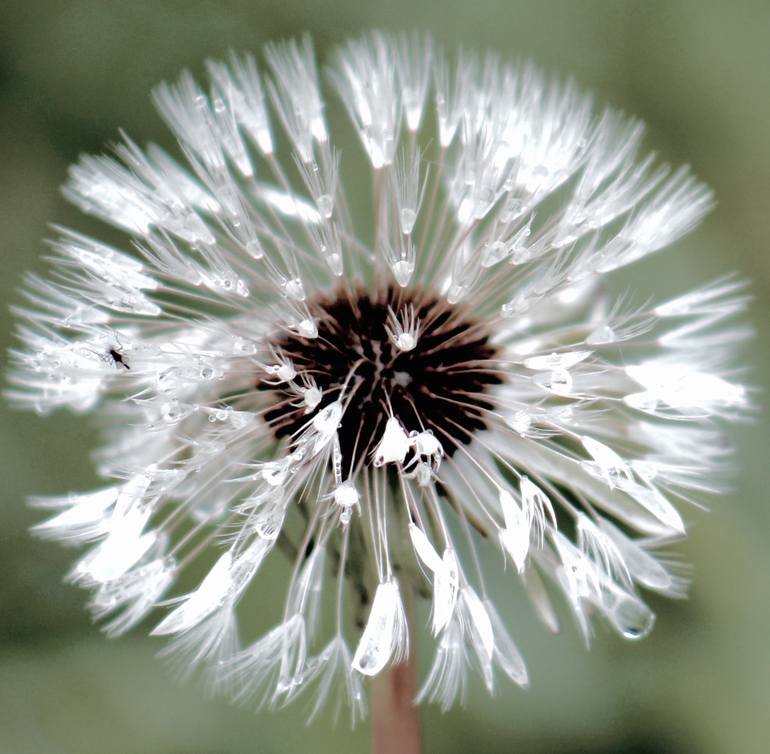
[(698, 73)]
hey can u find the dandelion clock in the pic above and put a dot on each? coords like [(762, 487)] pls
[(380, 378)]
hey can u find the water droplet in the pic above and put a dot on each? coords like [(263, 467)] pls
[(326, 421), (335, 263), (560, 382), (406, 341), (274, 473), (325, 204), (457, 292), (254, 249), (520, 255), (346, 496), (631, 617), (601, 335), (402, 270), (493, 253), (307, 328), (171, 411), (243, 347), (294, 289), (515, 306), (408, 218), (312, 397), (284, 371)]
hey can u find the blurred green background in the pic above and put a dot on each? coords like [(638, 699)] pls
[(73, 71)]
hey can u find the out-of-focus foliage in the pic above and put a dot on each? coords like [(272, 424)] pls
[(698, 73)]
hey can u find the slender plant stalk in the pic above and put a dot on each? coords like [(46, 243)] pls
[(395, 716)]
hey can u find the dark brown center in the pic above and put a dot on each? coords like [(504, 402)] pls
[(440, 385)]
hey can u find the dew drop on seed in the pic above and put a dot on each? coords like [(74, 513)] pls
[(632, 617), (254, 249), (560, 382), (493, 253), (335, 263), (294, 289), (601, 335), (325, 205), (408, 219), (403, 272)]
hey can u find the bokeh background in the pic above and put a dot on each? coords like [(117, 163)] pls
[(73, 71)]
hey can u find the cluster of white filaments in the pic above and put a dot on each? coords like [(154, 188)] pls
[(495, 190)]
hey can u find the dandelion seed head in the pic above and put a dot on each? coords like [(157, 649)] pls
[(377, 399)]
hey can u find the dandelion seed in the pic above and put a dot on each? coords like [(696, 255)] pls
[(278, 376)]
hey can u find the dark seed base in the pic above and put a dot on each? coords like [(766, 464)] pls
[(440, 385)]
